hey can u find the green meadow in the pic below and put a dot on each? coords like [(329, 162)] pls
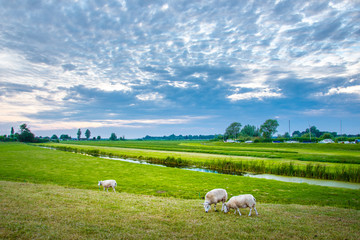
[(54, 194), (336, 153), (322, 161), (49, 211)]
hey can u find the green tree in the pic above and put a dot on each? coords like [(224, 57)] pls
[(25, 134), (65, 137), (233, 130), (79, 134), (296, 133), (54, 137), (98, 138), (113, 137), (12, 132), (250, 131), (269, 128), (87, 134), (326, 136), (308, 135), (314, 131)]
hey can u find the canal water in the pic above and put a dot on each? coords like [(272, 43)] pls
[(327, 183)]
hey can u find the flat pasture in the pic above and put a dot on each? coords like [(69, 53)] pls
[(47, 211), (322, 161), (336, 153), (54, 194)]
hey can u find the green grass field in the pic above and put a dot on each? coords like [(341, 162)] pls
[(47, 211), (54, 194), (336, 153), (323, 161)]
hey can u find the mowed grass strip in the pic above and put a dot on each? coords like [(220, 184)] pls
[(21, 162), (44, 211)]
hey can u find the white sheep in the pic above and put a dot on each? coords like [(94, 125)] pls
[(241, 201), (108, 183), (213, 197)]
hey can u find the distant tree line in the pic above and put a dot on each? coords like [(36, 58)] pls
[(234, 132), (23, 135), (173, 137), (267, 130)]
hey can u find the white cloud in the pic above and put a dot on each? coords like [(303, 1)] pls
[(252, 85), (344, 90), (314, 112), (109, 87), (165, 7), (150, 96), (259, 94), (206, 28), (19, 107), (183, 84), (42, 125), (200, 75)]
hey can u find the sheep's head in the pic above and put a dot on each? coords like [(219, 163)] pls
[(99, 184), (226, 209), (206, 206)]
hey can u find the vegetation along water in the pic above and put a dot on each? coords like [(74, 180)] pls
[(330, 162)]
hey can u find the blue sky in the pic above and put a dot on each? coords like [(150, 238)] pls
[(140, 68)]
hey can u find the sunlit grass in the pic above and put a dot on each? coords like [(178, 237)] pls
[(47, 211), (20, 162), (222, 162), (336, 153)]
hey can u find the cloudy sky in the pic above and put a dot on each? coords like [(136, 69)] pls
[(156, 68)]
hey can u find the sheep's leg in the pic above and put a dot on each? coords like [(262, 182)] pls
[(238, 211), (114, 189), (250, 212), (222, 207), (256, 211), (215, 207)]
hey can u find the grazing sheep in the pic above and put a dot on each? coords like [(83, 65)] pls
[(213, 197), (241, 201), (108, 183)]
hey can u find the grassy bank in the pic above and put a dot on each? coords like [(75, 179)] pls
[(223, 162), (43, 211), (335, 153), (25, 163)]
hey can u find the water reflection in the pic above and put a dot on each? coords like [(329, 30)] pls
[(327, 183)]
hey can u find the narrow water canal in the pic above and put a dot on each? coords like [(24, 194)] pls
[(327, 183)]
